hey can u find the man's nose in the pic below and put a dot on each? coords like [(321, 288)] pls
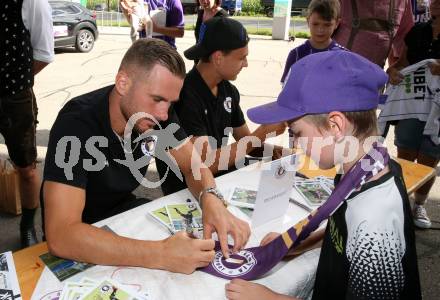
[(245, 63), (162, 114)]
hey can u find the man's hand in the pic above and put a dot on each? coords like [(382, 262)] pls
[(435, 68), (395, 76), (217, 218), (183, 254), (239, 289)]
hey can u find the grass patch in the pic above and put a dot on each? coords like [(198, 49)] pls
[(250, 30), (268, 32)]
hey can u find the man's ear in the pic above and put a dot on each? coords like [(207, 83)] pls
[(338, 125), (122, 82), (216, 58)]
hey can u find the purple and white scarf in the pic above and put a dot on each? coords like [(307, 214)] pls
[(254, 262)]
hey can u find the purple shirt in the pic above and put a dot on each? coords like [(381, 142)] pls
[(174, 17), (304, 50)]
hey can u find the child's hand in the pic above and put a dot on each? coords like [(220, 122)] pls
[(242, 290), (435, 68), (269, 238), (395, 76)]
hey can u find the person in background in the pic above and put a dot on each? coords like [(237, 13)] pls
[(422, 42), (322, 18), (137, 14), (374, 28), (127, 7), (208, 9), (174, 21), (26, 48)]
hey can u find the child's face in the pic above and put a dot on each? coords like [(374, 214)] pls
[(320, 29), (317, 143)]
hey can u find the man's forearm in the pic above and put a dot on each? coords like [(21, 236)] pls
[(227, 156), (83, 242), (38, 66), (169, 31), (196, 186)]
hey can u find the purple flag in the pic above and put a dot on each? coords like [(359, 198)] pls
[(252, 263)]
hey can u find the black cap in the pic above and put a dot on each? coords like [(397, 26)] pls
[(218, 33)]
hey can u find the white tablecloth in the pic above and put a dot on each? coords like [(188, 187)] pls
[(294, 277)]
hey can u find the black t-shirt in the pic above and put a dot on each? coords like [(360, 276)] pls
[(420, 43), (108, 182), (369, 250), (202, 114)]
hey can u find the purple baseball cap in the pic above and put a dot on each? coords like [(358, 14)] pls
[(324, 82)]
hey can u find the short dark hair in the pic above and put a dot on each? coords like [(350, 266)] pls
[(364, 122), (144, 54), (327, 9)]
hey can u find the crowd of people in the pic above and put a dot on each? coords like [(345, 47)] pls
[(331, 88)]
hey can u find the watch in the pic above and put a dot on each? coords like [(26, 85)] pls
[(215, 192)]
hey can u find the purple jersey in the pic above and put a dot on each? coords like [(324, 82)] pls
[(174, 17), (304, 50)]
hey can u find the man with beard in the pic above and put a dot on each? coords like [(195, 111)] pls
[(94, 161)]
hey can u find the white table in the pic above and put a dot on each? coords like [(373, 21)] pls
[(295, 277)]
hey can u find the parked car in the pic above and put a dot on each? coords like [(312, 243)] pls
[(299, 7), (74, 25)]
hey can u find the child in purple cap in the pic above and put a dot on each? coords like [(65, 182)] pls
[(368, 250), (323, 17)]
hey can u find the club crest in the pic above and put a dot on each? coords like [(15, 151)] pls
[(238, 264), (228, 104), (148, 145), (280, 171)]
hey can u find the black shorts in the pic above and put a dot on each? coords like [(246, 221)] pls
[(18, 123), (408, 134)]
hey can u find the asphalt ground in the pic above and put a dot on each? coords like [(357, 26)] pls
[(73, 74)]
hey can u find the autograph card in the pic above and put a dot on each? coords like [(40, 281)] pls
[(243, 197), (161, 215), (315, 193), (181, 214), (109, 290), (9, 288)]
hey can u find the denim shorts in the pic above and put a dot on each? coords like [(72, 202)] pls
[(409, 135), (18, 122)]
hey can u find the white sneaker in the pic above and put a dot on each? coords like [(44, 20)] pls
[(420, 217)]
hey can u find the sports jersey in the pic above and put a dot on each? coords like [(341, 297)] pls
[(416, 97)]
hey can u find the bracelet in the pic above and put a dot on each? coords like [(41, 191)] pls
[(215, 192)]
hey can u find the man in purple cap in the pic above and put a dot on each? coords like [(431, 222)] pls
[(368, 251)]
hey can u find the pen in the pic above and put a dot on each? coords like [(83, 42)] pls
[(299, 204)]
